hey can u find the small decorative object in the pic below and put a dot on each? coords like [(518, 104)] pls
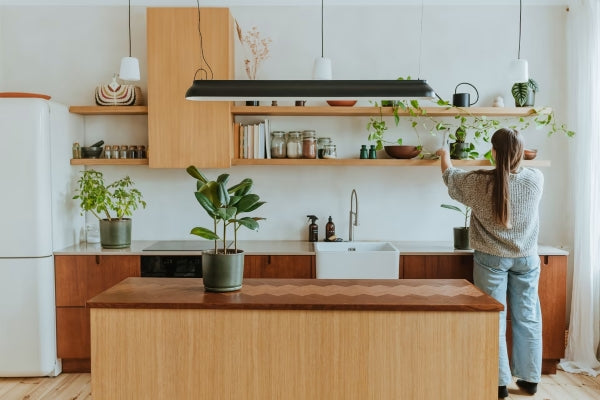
[(300, 103), (257, 47), (498, 101), (463, 99), (529, 154), (116, 94), (110, 204), (223, 268), (341, 103), (461, 234)]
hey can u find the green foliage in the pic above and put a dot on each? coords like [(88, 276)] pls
[(95, 196), (224, 205), (466, 212), (520, 90)]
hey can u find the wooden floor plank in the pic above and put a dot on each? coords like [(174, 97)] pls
[(562, 386)]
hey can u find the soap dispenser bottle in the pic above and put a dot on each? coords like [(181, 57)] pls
[(313, 229), (330, 230)]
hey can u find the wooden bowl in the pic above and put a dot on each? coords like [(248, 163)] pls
[(402, 151), (529, 154), (341, 103)]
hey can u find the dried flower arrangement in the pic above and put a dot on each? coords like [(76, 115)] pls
[(257, 46)]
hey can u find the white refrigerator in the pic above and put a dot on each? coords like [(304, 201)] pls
[(38, 216)]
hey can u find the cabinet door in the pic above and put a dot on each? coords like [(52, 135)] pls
[(79, 278), (437, 267), (553, 301), (73, 332), (290, 267), (183, 132)]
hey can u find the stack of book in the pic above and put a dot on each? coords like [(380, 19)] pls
[(253, 140)]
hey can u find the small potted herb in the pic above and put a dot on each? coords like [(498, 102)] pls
[(111, 204)]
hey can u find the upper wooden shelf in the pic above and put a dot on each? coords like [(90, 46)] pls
[(109, 161), (382, 162), (386, 111), (109, 110)]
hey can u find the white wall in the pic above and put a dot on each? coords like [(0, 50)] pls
[(67, 51)]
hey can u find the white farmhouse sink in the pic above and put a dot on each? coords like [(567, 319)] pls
[(357, 260)]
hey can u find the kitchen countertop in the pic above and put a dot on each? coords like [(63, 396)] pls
[(280, 247), (300, 294)]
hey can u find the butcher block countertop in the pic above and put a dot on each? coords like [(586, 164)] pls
[(299, 294)]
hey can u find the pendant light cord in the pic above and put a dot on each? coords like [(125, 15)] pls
[(129, 24), (520, 16), (201, 69), (322, 40), (420, 41)]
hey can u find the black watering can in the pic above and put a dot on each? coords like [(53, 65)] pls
[(463, 99)]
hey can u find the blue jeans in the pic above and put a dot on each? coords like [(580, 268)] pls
[(517, 279)]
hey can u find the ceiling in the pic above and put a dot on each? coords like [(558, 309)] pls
[(229, 3)]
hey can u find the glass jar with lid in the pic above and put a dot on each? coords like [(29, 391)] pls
[(294, 144), (329, 151), (309, 144), (278, 144), (321, 143)]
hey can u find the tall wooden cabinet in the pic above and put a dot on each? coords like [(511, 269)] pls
[(79, 278), (183, 132)]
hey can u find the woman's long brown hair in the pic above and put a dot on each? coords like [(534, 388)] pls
[(509, 151)]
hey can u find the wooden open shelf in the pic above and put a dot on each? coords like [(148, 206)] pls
[(375, 163), (109, 110), (386, 111), (109, 161)]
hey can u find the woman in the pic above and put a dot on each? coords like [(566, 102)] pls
[(504, 234)]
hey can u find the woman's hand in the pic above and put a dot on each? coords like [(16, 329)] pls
[(445, 161)]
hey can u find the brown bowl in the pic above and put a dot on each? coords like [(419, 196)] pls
[(529, 154), (341, 103), (402, 151)]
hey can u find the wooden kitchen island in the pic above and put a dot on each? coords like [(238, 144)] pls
[(157, 338)]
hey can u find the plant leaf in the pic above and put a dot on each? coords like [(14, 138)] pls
[(246, 202), (204, 233), (195, 173), (451, 207), (249, 223), (205, 202)]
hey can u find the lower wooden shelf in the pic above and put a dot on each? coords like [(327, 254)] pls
[(374, 163), (109, 161)]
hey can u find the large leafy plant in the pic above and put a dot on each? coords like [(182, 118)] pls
[(224, 205), (113, 202)]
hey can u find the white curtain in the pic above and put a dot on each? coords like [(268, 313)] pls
[(583, 40)]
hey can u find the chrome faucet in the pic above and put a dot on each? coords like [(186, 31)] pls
[(353, 212)]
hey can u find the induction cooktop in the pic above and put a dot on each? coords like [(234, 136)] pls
[(183, 245)]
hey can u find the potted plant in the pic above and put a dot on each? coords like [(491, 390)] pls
[(111, 204), (460, 149), (524, 93), (223, 268), (461, 234)]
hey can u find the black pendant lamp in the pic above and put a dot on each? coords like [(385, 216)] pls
[(318, 89)]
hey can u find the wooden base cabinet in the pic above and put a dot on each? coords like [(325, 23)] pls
[(290, 267), (552, 292), (79, 278)]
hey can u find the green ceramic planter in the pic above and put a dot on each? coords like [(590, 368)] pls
[(222, 272), (116, 233), (461, 238)]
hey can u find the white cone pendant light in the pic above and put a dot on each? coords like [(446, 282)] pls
[(519, 69), (322, 66), (130, 66)]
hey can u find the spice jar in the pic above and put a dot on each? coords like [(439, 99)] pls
[(132, 152), (309, 144), (107, 151), (142, 151), (321, 143), (294, 144), (330, 151), (115, 152), (76, 150), (278, 145), (123, 152)]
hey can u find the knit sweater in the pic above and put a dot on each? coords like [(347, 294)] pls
[(487, 235)]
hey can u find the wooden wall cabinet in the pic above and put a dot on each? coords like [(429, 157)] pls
[(183, 132), (79, 278), (288, 266), (552, 292)]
